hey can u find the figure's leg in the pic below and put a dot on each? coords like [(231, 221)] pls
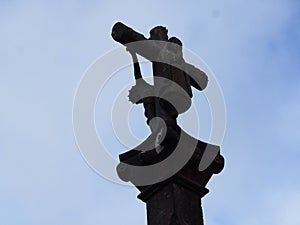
[(169, 114), (149, 106)]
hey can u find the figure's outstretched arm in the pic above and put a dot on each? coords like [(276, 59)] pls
[(136, 65), (201, 82), (136, 92)]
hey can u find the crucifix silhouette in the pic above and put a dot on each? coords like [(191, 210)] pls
[(175, 196)]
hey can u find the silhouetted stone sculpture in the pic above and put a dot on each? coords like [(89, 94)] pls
[(176, 199)]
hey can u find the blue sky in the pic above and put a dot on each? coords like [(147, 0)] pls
[(253, 47)]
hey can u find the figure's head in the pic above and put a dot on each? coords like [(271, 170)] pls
[(176, 47), (159, 33), (175, 40)]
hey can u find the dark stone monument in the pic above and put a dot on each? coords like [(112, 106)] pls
[(174, 198)]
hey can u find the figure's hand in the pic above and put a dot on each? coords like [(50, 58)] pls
[(136, 93), (134, 96)]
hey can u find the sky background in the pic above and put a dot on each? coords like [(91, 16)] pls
[(253, 48)]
